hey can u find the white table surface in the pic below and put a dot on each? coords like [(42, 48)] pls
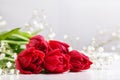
[(112, 73)]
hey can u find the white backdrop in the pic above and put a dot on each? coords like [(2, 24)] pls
[(73, 17)]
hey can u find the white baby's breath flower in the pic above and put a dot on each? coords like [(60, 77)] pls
[(70, 48), (100, 49), (2, 23), (8, 64), (2, 56), (65, 36), (52, 35), (0, 71), (14, 55)]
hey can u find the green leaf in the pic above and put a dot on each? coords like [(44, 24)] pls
[(20, 37), (24, 34), (5, 35), (15, 38)]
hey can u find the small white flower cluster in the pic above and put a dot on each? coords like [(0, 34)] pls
[(97, 53), (2, 56), (36, 23), (8, 66), (8, 71), (2, 49), (2, 22)]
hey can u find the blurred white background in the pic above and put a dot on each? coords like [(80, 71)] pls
[(81, 18)]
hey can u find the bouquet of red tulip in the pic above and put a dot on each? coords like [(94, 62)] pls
[(40, 55), (50, 56)]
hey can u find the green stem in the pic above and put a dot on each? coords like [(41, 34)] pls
[(10, 54), (19, 36), (14, 42), (10, 59)]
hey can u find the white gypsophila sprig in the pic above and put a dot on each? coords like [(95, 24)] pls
[(2, 56), (8, 64), (14, 56), (97, 48), (1, 71), (2, 22)]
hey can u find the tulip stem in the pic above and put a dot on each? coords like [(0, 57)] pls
[(10, 59), (22, 37), (14, 42)]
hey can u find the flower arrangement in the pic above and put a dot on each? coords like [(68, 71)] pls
[(23, 51), (32, 54)]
